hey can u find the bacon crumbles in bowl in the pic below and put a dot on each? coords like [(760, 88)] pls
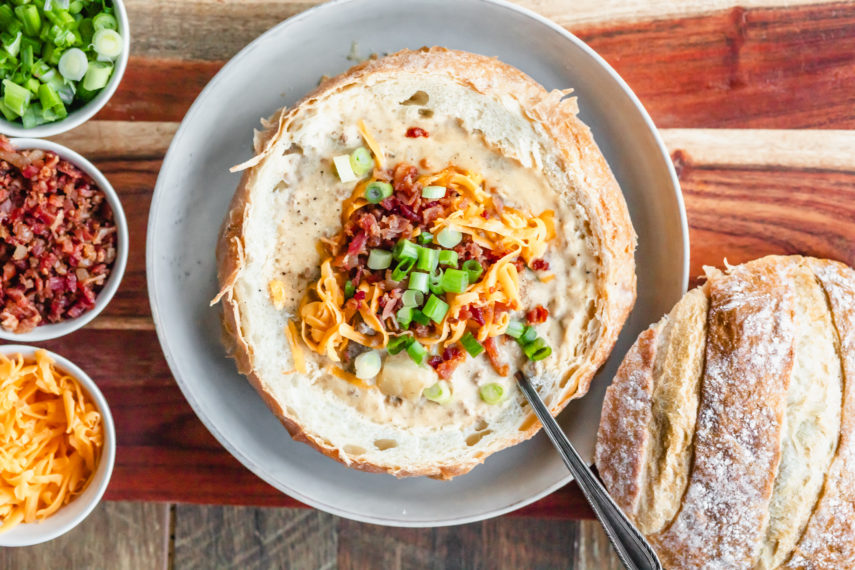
[(62, 239)]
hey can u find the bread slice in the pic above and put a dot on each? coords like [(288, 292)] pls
[(489, 118), (770, 476)]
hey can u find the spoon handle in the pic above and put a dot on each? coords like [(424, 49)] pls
[(632, 549)]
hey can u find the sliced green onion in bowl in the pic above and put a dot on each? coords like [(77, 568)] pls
[(515, 329), (419, 281), (73, 64), (492, 393), (435, 309), (49, 97), (105, 21), (412, 298), (439, 392), (433, 192), (405, 249), (367, 365), (448, 257), (454, 281), (379, 259), (471, 344), (473, 268), (417, 352), (97, 75), (15, 97), (448, 237), (403, 269), (361, 161), (107, 43), (398, 343), (377, 191)]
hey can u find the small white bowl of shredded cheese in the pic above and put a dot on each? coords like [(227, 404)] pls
[(59, 445)]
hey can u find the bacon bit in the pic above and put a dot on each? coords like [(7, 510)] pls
[(540, 265), (492, 352), (446, 368), (537, 315), (477, 315), (415, 132), (434, 360), (359, 296)]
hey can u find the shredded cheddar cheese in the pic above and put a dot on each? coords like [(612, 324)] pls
[(376, 149), (51, 437), (276, 288), (296, 349), (348, 377)]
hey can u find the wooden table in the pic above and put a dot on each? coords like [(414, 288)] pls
[(752, 102)]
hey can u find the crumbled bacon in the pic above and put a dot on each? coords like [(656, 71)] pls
[(537, 315), (540, 265), (57, 239), (450, 359), (415, 132)]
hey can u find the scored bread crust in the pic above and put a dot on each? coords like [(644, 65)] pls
[(743, 506), (599, 196)]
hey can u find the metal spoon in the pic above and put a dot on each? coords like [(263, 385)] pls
[(632, 549)]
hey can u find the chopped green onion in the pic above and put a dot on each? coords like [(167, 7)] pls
[(398, 343), (108, 43), (405, 249), (27, 58), (349, 289), (6, 15), (537, 349), (439, 392), (403, 269), (491, 393), (33, 85), (433, 192), (448, 237), (425, 238), (105, 21), (528, 335), (33, 117), (448, 257), (367, 364), (417, 352), (471, 344), (97, 75), (377, 191), (435, 309), (454, 281), (28, 14), (48, 96), (428, 260), (12, 42), (74, 7), (7, 112), (419, 281), (412, 298), (473, 268), (73, 64), (435, 284), (379, 259), (404, 316), (420, 317), (360, 160), (343, 168), (15, 97), (42, 70), (515, 329)]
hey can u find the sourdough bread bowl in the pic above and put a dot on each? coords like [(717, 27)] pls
[(727, 434), (474, 161)]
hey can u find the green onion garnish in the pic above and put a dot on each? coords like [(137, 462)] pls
[(435, 284), (454, 281), (515, 329), (412, 298), (425, 238), (491, 393), (405, 249), (471, 344), (28, 14), (417, 352), (377, 191), (448, 237), (528, 335), (15, 97), (48, 97), (398, 343), (537, 349), (379, 259), (433, 192), (439, 392), (107, 43), (343, 169), (367, 364), (361, 161), (420, 317), (105, 21), (349, 289), (97, 75), (473, 268), (419, 281), (435, 309), (404, 316), (403, 269), (73, 64), (428, 259), (448, 257)]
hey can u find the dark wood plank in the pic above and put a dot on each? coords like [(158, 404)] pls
[(248, 538), (119, 536)]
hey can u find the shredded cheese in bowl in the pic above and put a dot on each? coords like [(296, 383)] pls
[(52, 438)]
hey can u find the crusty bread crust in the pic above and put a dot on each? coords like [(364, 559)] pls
[(601, 198)]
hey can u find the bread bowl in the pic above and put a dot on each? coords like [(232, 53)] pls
[(726, 435), (497, 144)]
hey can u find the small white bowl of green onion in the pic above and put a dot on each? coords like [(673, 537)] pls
[(60, 62)]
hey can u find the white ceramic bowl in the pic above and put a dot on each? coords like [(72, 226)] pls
[(72, 514), (83, 114), (49, 331)]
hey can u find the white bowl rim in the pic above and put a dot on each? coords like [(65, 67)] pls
[(83, 114), (56, 330), (27, 534)]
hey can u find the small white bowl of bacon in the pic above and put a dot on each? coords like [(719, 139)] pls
[(58, 442), (63, 240)]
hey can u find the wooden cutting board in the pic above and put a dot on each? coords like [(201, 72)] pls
[(755, 104)]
